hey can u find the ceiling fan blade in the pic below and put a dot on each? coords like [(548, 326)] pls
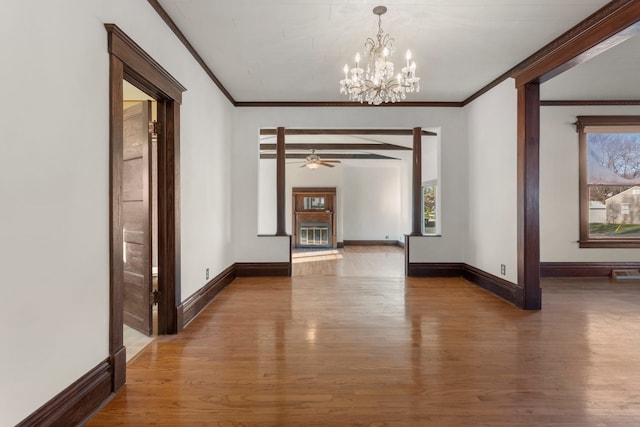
[(332, 161), (323, 163)]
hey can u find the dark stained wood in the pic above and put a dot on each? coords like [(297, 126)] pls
[(268, 131), (136, 213), (263, 269), (167, 19), (169, 261), (195, 303), (435, 269), (584, 269), (417, 215), (144, 71), (497, 286), (323, 146), (331, 156), (302, 215), (574, 33), (75, 403), (280, 183), (593, 36), (346, 104), (586, 241), (116, 264), (529, 295), (592, 102), (128, 60)]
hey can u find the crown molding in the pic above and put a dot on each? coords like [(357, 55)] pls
[(603, 18), (569, 103)]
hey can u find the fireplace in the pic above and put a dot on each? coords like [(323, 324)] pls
[(314, 234), (314, 224)]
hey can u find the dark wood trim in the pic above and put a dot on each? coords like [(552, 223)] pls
[(129, 61), (172, 25), (497, 286), (585, 240), (589, 103), (257, 269), (280, 183), (169, 255), (584, 269), (116, 265), (435, 269), (340, 244), (143, 69), (323, 146), (288, 131), (601, 15), (195, 303), (372, 243), (529, 296), (446, 104), (301, 190), (327, 156), (76, 403), (417, 213), (593, 36)]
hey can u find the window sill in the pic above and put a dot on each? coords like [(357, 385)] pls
[(610, 243)]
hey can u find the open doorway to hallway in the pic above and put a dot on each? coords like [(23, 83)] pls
[(140, 219)]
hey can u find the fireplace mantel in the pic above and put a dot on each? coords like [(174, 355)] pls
[(314, 223)]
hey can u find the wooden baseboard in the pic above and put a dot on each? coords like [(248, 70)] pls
[(194, 304), (584, 269), (371, 243), (76, 403), (435, 269), (256, 269), (497, 286)]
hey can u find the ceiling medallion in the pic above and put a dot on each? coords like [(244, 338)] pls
[(377, 84)]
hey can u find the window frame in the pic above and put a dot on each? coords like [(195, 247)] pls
[(606, 124)]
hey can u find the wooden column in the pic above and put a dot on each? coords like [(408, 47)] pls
[(416, 188), (528, 294), (280, 183)]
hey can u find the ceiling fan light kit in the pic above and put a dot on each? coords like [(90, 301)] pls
[(314, 161), (378, 84)]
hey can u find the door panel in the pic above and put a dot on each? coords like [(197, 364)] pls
[(136, 211)]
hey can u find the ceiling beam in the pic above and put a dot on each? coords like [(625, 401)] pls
[(321, 146), (333, 156), (589, 39), (346, 132)]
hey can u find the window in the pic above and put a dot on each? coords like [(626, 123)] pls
[(429, 198), (609, 181)]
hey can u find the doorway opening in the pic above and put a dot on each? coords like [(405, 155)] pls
[(140, 219), (129, 62)]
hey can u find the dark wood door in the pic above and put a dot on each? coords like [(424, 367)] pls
[(136, 213)]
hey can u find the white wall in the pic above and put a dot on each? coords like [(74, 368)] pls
[(559, 187), (54, 186), (492, 238), (372, 202), (452, 122)]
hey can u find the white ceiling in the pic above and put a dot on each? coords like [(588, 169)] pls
[(294, 50)]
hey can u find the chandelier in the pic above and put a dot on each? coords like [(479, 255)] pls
[(378, 84)]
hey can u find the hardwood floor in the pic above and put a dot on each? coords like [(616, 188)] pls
[(376, 261), (333, 351)]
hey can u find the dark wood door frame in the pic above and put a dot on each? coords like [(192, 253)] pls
[(611, 25), (127, 61)]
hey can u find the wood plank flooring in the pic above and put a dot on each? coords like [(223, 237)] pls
[(335, 351)]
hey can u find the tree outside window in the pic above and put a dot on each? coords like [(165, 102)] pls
[(609, 181)]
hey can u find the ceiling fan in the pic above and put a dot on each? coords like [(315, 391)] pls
[(314, 161)]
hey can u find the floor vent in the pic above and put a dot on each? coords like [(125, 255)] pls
[(626, 274)]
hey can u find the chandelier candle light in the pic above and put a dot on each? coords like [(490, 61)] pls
[(378, 84)]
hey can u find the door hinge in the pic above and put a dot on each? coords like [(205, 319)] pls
[(155, 297), (153, 127)]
